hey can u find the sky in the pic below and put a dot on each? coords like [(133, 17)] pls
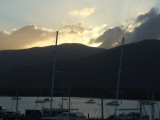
[(97, 23)]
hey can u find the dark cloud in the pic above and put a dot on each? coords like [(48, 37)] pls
[(149, 28), (109, 37), (143, 17)]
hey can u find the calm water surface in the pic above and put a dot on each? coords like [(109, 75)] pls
[(94, 110)]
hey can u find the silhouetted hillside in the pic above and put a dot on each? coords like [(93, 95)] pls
[(43, 55), (140, 72)]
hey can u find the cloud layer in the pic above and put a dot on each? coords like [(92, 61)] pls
[(82, 13), (31, 36), (146, 26), (23, 37)]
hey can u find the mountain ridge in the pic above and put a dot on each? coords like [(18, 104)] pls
[(140, 71), (11, 59)]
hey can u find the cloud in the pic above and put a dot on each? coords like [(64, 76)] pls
[(110, 37), (23, 37), (31, 36), (82, 13), (78, 27), (144, 16), (77, 33), (149, 27), (146, 26)]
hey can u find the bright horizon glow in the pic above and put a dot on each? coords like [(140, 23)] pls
[(95, 45)]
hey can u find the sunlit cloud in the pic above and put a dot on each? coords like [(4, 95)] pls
[(145, 26), (110, 37), (32, 36), (23, 37), (82, 13), (77, 33)]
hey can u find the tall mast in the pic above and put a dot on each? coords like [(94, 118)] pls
[(119, 74), (53, 73)]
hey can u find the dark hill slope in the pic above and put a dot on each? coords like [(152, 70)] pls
[(140, 71), (141, 67), (10, 59)]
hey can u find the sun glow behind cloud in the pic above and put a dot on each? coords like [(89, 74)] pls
[(32, 36), (95, 45)]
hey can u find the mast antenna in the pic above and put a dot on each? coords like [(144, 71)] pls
[(53, 73), (119, 74)]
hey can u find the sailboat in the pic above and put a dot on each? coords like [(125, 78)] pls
[(58, 113), (115, 103), (131, 115), (119, 75), (90, 101), (43, 100), (112, 103)]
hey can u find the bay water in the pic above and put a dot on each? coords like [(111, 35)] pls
[(94, 110)]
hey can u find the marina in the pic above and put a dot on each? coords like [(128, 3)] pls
[(46, 109), (80, 60), (94, 110)]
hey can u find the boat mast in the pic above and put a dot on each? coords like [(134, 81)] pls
[(53, 73), (17, 98), (102, 108), (119, 74)]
